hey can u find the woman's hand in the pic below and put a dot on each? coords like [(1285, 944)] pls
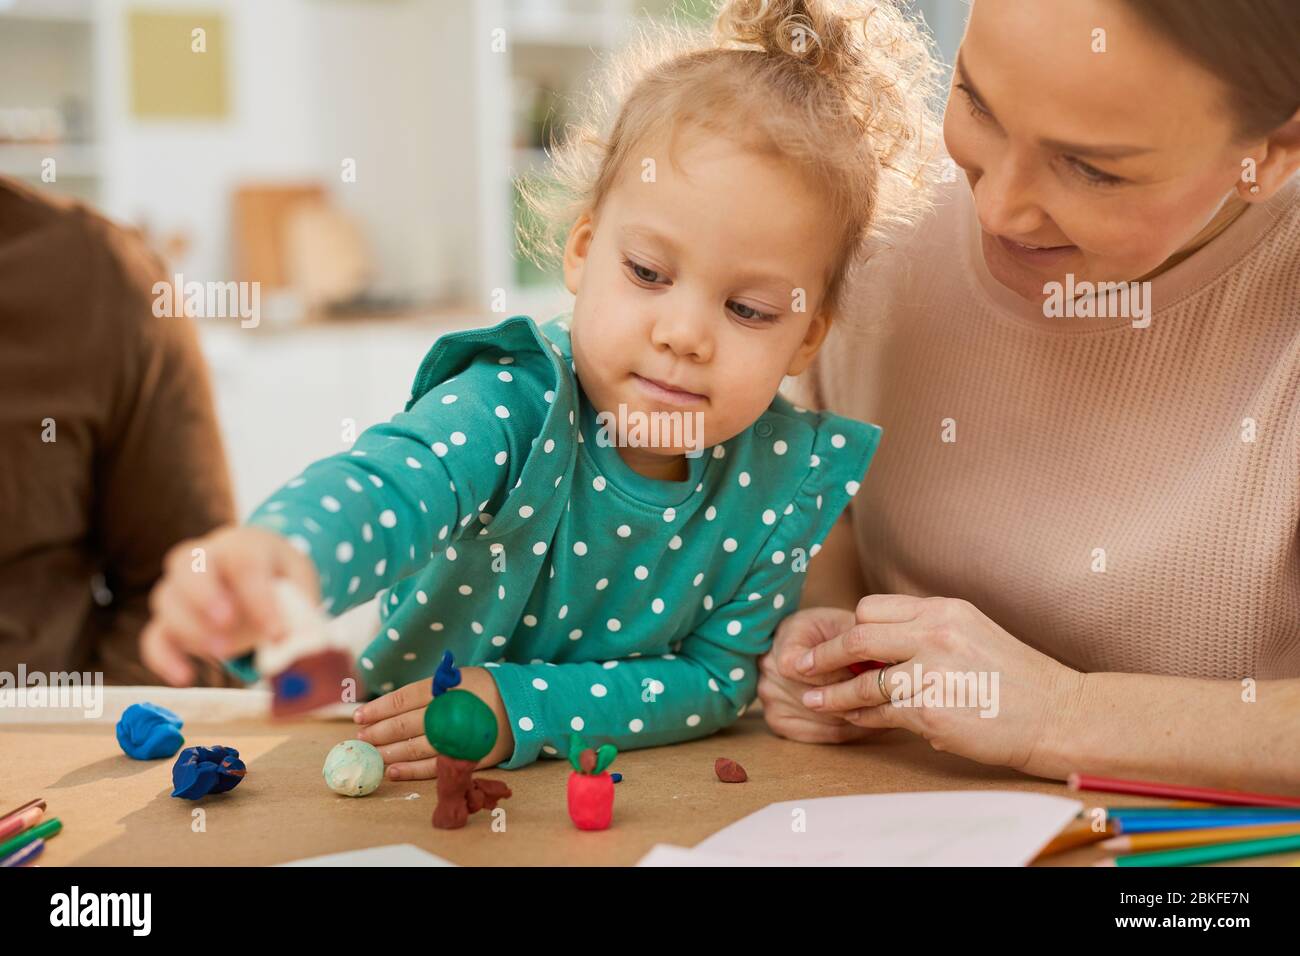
[(780, 687), (394, 724), (1029, 699)]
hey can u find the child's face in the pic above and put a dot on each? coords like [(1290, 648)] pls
[(709, 277)]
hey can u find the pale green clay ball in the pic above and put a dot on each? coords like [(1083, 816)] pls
[(353, 768)]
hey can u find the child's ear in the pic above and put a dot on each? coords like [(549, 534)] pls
[(575, 251), (817, 329)]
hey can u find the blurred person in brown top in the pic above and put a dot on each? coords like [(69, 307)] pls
[(109, 448)]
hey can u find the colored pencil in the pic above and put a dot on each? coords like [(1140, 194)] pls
[(41, 830), (26, 806), (1193, 855), (1076, 834), (1169, 839), (1144, 788), (20, 821), (1153, 824), (1272, 813), (24, 855)]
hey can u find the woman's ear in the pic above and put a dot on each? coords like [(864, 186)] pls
[(812, 341), (575, 251), (1280, 161)]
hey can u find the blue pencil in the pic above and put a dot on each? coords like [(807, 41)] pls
[(24, 854), (1154, 824), (1277, 814)]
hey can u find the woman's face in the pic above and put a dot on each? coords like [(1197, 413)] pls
[(1100, 164)]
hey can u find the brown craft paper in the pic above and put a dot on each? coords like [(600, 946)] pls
[(118, 811)]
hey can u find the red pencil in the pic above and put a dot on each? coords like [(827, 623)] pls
[(18, 822), (26, 806), (1082, 781)]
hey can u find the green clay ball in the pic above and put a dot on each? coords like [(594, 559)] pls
[(460, 725), (353, 768)]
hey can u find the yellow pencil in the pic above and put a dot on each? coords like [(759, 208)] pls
[(1169, 839), (1079, 833)]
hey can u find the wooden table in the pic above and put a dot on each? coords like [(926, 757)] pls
[(118, 811)]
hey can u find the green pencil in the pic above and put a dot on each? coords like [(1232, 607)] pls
[(1189, 856), (46, 829)]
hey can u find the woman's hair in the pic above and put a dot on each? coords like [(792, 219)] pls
[(844, 90), (1252, 46)]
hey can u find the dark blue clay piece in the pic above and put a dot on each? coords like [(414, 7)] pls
[(199, 771), (446, 676)]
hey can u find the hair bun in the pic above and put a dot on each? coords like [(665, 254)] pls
[(816, 31)]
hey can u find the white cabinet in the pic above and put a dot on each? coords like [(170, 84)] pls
[(285, 398)]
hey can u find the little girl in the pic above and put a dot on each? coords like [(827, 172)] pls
[(514, 513)]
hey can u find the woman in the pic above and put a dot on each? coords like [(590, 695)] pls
[(1093, 500)]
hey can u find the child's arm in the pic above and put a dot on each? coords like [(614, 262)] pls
[(631, 702), (370, 516), (362, 518), (646, 701)]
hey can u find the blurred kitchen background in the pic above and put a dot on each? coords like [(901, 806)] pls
[(356, 158)]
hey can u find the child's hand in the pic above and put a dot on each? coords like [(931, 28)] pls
[(781, 685), (215, 598), (394, 724)]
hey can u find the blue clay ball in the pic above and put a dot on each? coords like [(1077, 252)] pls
[(149, 732), (353, 768)]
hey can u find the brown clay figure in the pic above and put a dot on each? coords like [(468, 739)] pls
[(463, 730)]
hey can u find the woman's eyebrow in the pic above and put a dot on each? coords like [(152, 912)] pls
[(1110, 151), (1098, 152)]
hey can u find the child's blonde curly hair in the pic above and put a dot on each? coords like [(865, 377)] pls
[(844, 89)]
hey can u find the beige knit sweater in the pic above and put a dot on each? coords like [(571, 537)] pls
[(1123, 499)]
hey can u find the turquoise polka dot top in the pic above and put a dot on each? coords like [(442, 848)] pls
[(491, 522)]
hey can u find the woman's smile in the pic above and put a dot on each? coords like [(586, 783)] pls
[(1009, 260)]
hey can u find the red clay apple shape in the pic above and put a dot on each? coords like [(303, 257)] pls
[(591, 789)]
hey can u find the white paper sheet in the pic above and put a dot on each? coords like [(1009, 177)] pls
[(396, 854), (959, 828)]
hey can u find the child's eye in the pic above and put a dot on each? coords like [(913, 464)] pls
[(1091, 174), (745, 312), (641, 273)]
